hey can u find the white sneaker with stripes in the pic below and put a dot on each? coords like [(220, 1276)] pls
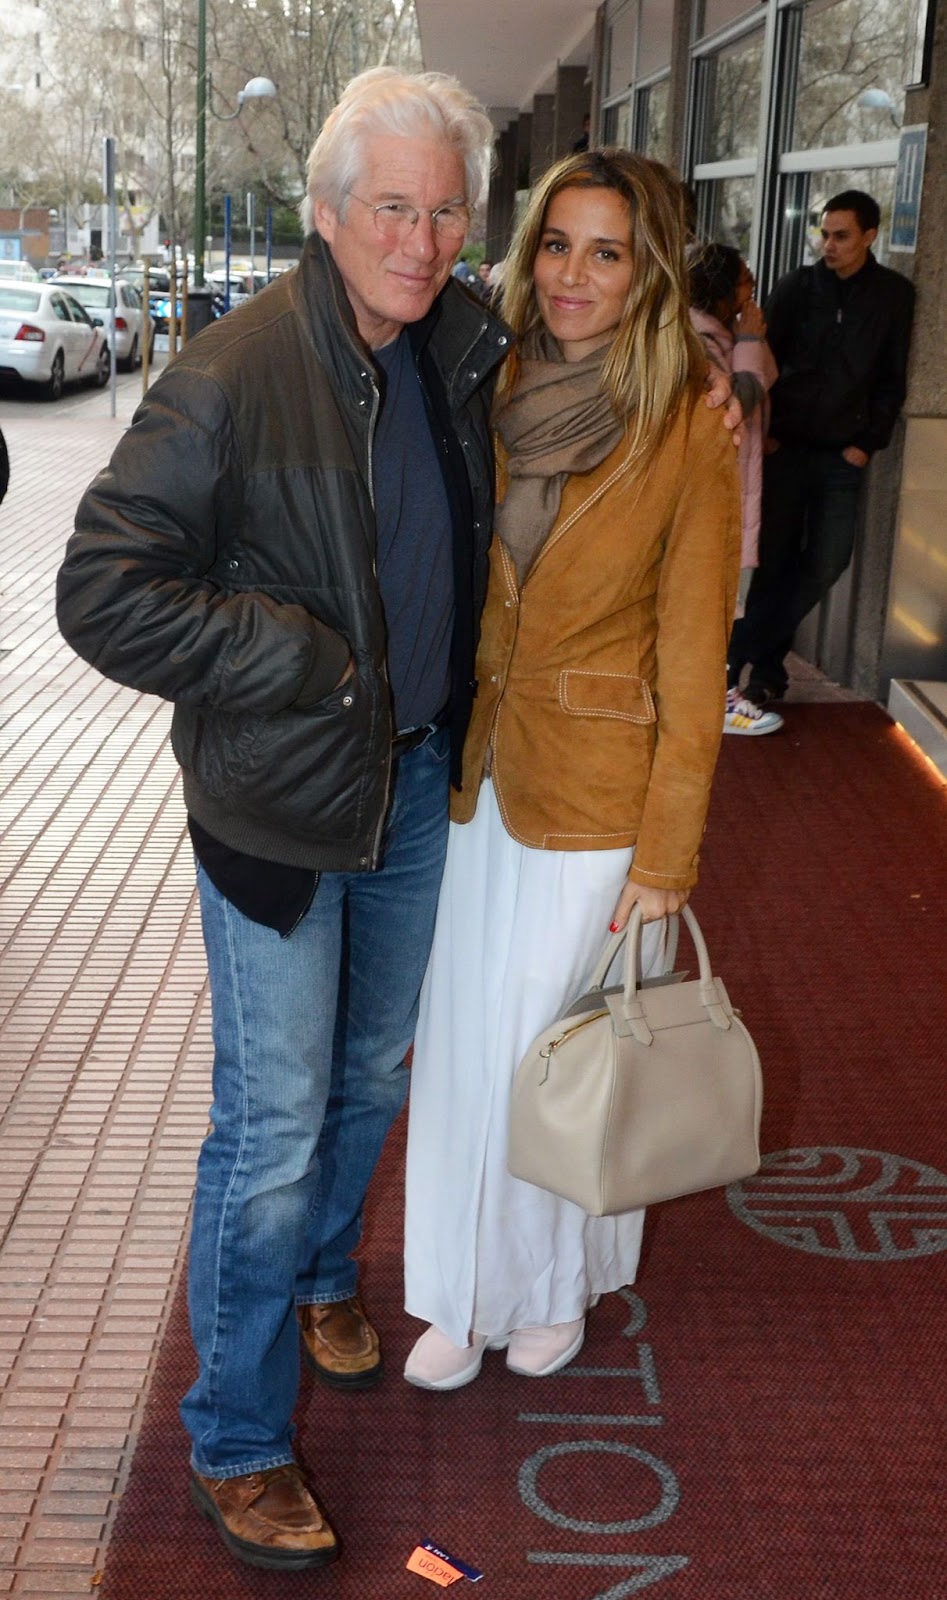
[(742, 716)]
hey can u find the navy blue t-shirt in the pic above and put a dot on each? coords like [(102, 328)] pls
[(415, 555)]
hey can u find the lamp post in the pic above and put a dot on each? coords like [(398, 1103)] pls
[(878, 100), (256, 89), (200, 154)]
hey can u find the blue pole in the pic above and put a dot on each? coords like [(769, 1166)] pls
[(269, 242), (226, 252)]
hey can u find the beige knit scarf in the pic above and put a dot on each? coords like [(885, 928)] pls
[(558, 421)]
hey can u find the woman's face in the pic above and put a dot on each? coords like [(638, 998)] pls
[(583, 268)]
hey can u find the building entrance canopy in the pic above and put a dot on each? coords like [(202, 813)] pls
[(505, 54)]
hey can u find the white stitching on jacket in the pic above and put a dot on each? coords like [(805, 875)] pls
[(649, 716)]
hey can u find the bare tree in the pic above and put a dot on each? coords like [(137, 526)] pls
[(310, 49), (127, 68), (845, 49)]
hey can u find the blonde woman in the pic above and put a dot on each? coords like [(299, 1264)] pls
[(590, 754)]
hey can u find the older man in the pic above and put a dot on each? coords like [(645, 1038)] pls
[(290, 545)]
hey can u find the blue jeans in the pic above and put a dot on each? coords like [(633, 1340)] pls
[(310, 1036)]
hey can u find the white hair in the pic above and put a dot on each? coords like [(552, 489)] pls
[(408, 105)]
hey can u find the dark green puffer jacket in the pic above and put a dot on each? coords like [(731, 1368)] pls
[(225, 560)]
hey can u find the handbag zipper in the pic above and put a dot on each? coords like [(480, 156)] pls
[(561, 1038)]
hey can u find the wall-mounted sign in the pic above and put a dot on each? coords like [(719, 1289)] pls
[(912, 147)]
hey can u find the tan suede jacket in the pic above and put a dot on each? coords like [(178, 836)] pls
[(602, 682)]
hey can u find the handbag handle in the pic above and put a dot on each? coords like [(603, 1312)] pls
[(615, 941), (626, 1008)]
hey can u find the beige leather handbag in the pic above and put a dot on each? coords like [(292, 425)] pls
[(638, 1093)]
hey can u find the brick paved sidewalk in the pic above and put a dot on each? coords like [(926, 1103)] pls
[(104, 1037)]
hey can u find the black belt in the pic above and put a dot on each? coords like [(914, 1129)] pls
[(413, 738)]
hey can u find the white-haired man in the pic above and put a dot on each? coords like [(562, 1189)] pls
[(290, 544)]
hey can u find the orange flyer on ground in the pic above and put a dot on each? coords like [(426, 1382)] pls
[(428, 1566)]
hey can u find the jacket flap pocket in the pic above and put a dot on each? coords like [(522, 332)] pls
[(606, 694)]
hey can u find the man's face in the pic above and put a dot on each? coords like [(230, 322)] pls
[(393, 281), (844, 246)]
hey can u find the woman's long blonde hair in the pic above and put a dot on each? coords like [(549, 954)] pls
[(655, 358)]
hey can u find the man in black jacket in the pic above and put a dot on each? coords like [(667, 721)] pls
[(840, 332), (290, 544)]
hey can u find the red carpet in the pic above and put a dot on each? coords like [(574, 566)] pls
[(762, 1417)]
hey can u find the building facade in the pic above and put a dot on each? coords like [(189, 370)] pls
[(766, 109)]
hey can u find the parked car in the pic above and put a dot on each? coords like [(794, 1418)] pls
[(47, 337), (134, 327), (159, 279), (161, 311), (19, 270), (239, 290)]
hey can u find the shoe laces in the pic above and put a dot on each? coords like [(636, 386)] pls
[(744, 708)]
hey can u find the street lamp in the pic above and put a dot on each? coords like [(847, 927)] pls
[(256, 89), (878, 100)]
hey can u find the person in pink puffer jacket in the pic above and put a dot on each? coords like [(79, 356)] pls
[(733, 330)]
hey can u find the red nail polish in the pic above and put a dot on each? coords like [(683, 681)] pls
[(613, 927)]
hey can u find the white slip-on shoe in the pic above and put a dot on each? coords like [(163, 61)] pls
[(538, 1352), (436, 1363)]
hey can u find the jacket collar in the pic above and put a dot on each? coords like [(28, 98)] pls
[(465, 340), (832, 280)]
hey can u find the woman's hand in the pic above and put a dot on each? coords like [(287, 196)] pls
[(751, 320), (655, 903)]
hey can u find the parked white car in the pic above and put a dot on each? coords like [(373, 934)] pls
[(47, 337), (134, 328), (19, 270)]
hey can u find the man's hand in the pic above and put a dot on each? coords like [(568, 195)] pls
[(720, 393), (346, 674), (655, 903), (854, 456)]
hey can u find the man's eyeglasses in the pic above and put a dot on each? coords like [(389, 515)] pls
[(396, 221)]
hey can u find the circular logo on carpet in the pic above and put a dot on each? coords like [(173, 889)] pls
[(861, 1205)]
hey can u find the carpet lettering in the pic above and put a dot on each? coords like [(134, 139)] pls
[(652, 1489)]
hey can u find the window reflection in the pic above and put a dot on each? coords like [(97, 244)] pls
[(616, 124), (657, 135), (714, 13), (725, 211), (732, 87), (854, 60)]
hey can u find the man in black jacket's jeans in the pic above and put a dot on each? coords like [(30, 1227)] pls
[(840, 332)]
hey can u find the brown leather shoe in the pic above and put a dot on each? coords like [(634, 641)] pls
[(267, 1519), (340, 1343)]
